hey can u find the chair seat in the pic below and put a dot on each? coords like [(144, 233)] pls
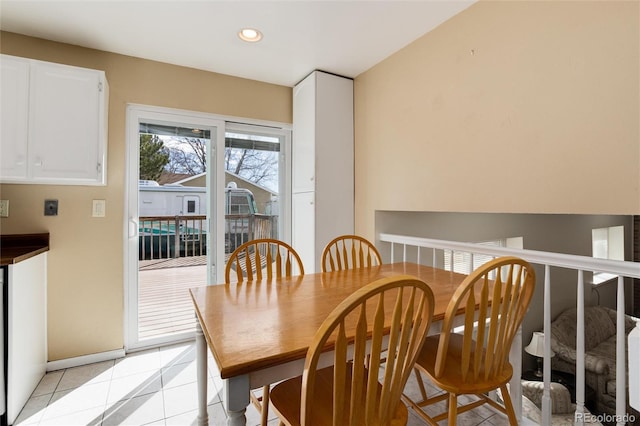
[(452, 380), (285, 398)]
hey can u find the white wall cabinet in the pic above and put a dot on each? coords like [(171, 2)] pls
[(322, 164), (53, 123)]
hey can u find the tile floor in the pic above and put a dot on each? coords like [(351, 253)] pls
[(154, 387)]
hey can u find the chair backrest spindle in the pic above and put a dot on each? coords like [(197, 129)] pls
[(262, 258), (494, 320), (401, 306), (349, 252)]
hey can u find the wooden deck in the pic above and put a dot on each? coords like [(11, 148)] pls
[(164, 303)]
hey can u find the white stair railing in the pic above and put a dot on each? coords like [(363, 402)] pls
[(547, 259)]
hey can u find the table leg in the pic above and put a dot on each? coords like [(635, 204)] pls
[(202, 375), (236, 399)]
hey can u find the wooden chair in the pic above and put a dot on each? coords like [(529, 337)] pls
[(494, 299), (348, 393), (349, 252), (254, 260), (275, 259)]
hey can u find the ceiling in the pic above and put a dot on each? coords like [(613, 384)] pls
[(342, 37)]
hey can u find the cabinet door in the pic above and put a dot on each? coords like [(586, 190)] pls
[(26, 331), (66, 124), (14, 116), (304, 135), (303, 238)]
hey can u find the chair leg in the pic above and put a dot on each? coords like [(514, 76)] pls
[(265, 405), (423, 391), (262, 404), (508, 405), (452, 403)]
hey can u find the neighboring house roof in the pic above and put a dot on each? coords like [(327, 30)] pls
[(196, 180), (168, 177)]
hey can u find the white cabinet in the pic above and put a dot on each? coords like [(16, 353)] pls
[(26, 330), (322, 164), (15, 117), (54, 123), (303, 224)]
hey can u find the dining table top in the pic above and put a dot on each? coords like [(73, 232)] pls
[(265, 323)]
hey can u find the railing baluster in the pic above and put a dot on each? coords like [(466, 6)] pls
[(176, 240), (546, 366), (621, 385), (548, 259), (165, 237), (192, 235), (580, 372), (143, 250), (152, 240), (203, 243)]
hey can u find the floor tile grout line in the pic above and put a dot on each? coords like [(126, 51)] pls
[(484, 418)]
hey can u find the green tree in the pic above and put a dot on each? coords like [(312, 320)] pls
[(153, 157)]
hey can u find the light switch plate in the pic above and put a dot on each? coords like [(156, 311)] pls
[(4, 208), (99, 208)]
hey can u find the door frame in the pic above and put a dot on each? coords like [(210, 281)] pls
[(215, 200)]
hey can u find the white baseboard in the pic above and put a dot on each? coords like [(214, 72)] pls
[(61, 364)]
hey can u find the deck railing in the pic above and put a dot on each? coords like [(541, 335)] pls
[(168, 237), (406, 247)]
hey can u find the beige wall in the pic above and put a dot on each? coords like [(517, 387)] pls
[(86, 259), (523, 107)]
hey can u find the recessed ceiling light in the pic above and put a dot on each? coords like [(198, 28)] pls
[(249, 34)]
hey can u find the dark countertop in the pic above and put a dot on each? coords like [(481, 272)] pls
[(18, 247)]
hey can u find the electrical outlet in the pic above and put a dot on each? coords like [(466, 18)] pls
[(51, 207), (99, 208), (4, 208)]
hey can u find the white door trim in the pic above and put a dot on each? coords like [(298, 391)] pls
[(136, 114)]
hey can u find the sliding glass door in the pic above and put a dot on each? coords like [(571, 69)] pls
[(172, 210), (198, 187)]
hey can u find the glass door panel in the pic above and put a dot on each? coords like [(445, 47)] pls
[(255, 184), (171, 245)]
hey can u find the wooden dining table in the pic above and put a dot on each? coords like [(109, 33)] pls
[(259, 332)]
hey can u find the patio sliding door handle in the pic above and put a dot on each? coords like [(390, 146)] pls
[(133, 228)]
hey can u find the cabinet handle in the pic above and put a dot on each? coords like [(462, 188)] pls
[(38, 162), (133, 228)]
